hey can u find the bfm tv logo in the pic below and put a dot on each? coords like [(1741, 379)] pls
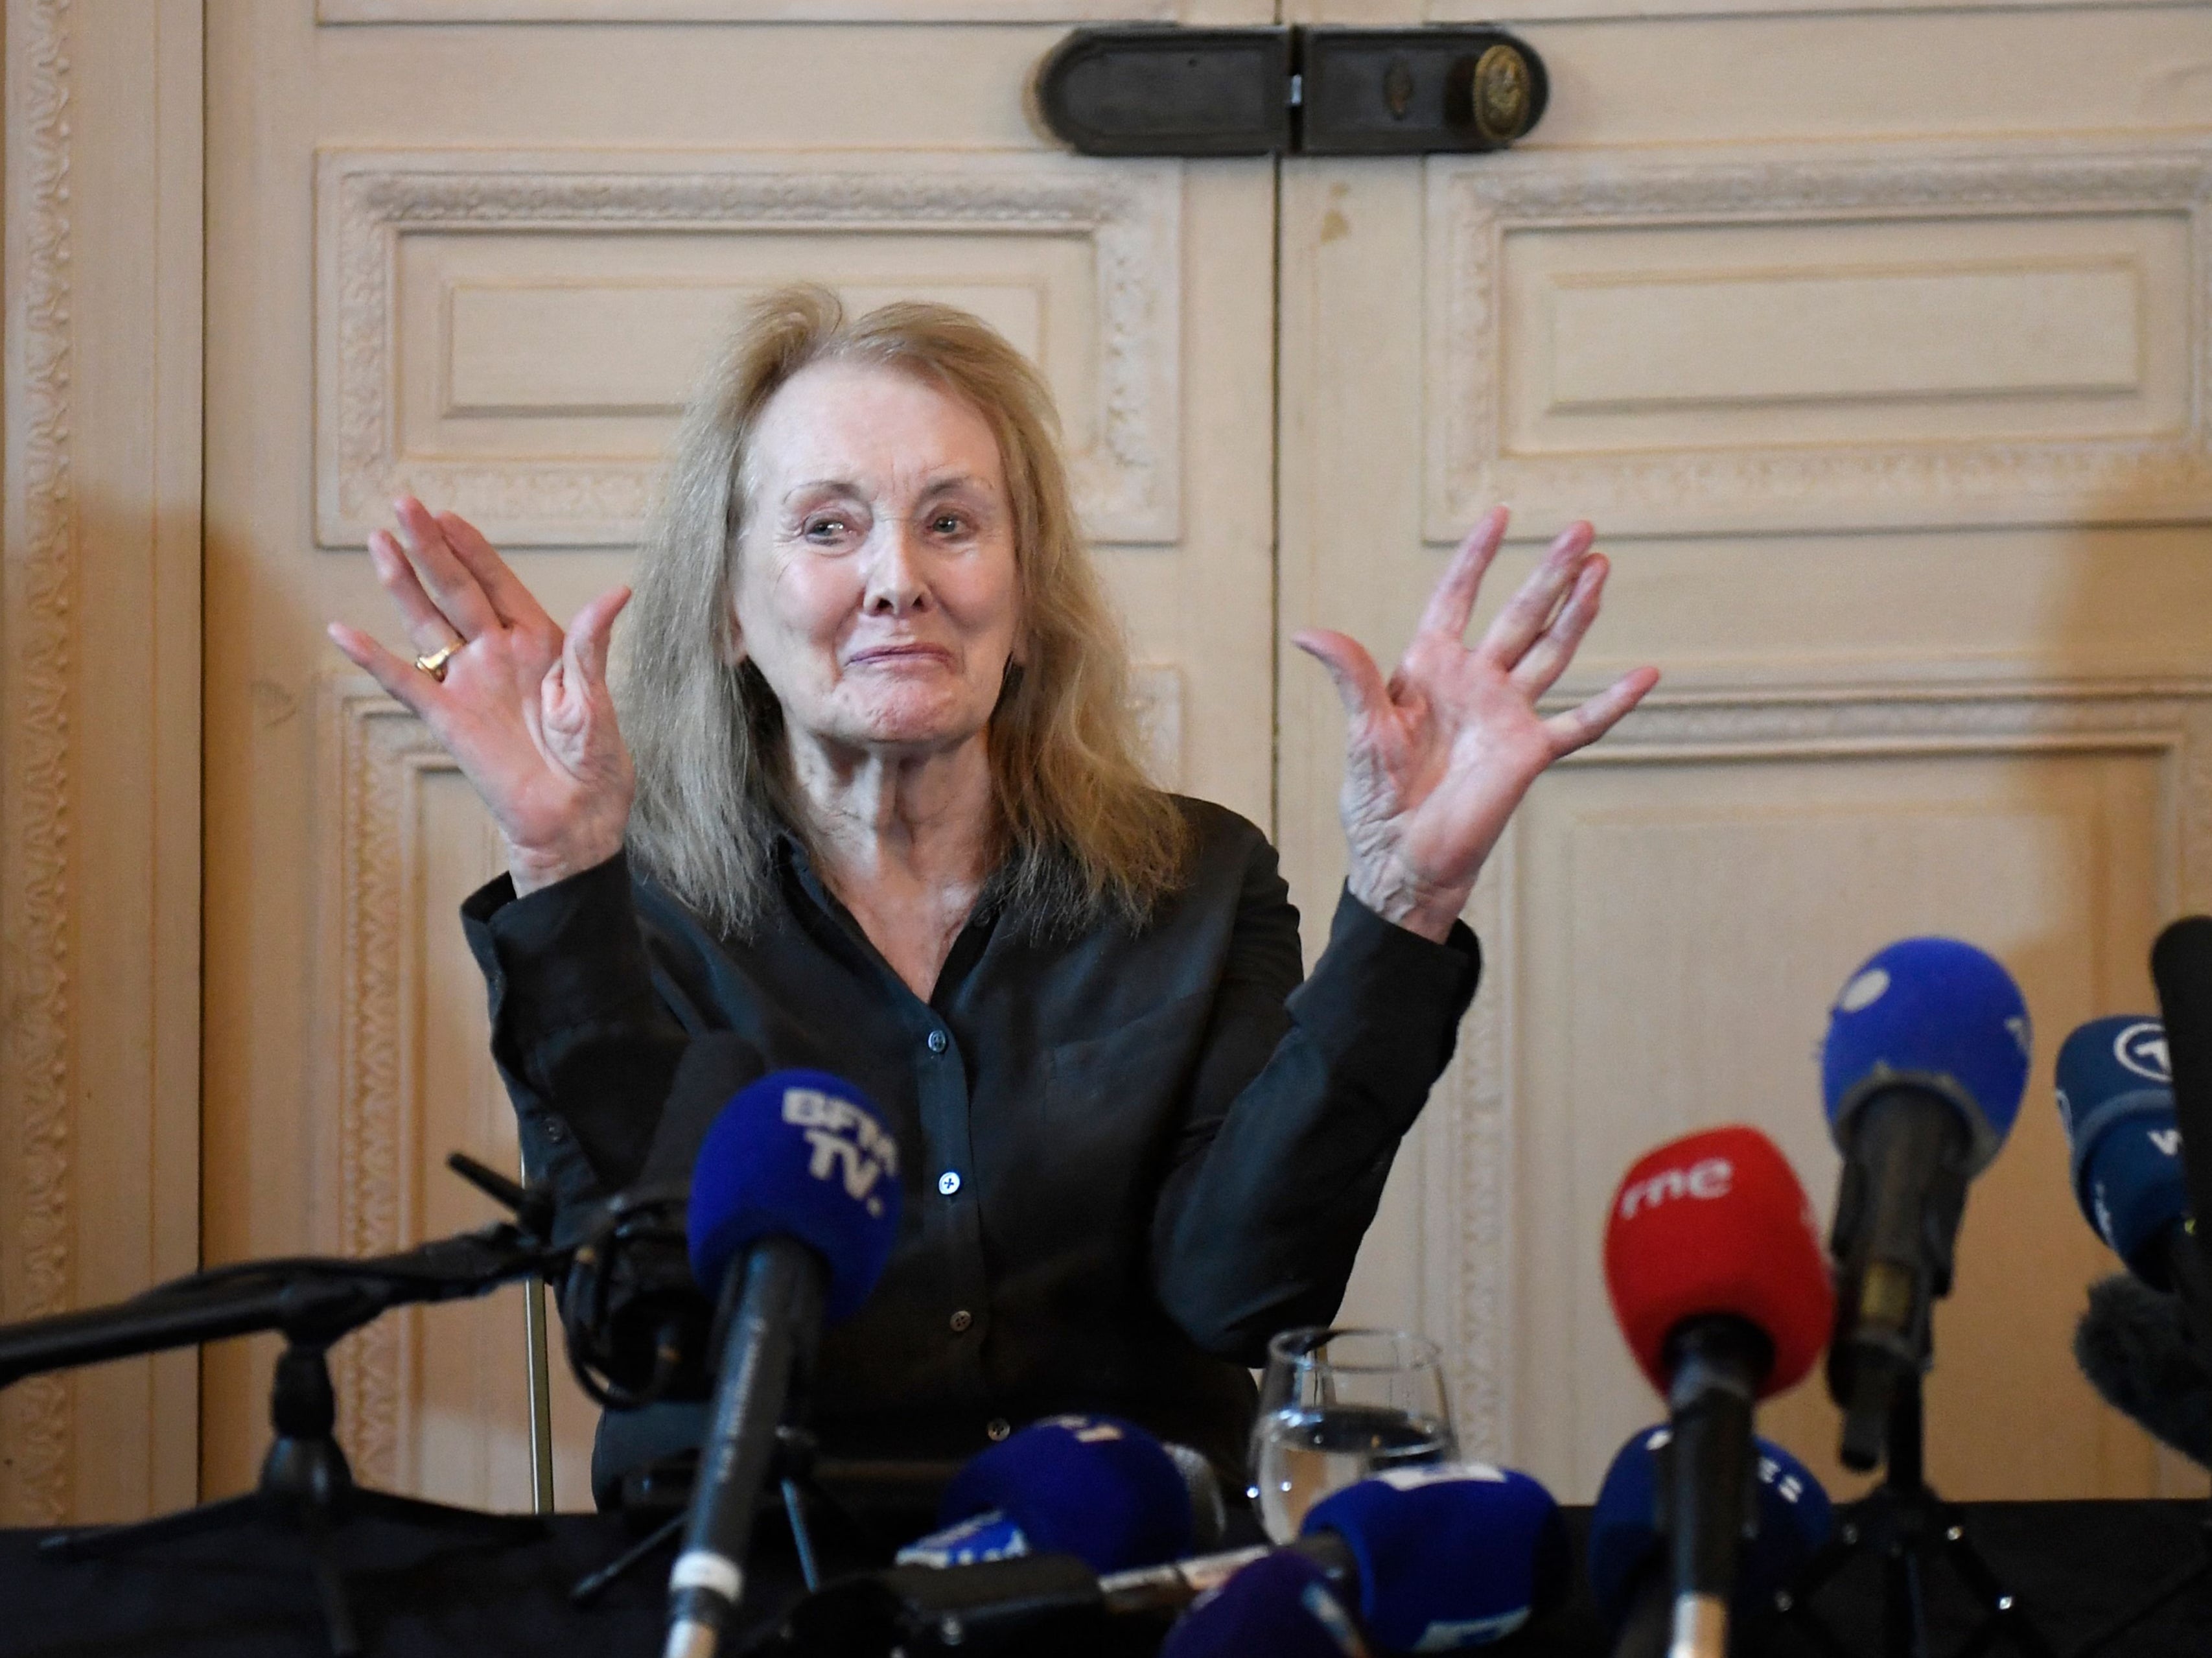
[(846, 1140)]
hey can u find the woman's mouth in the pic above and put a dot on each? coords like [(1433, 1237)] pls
[(895, 656)]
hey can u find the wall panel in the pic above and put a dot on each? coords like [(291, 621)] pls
[(1672, 916), (1936, 336), (514, 335)]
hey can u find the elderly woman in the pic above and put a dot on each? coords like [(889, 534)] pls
[(866, 798)]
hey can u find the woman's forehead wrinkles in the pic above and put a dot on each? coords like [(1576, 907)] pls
[(929, 484)]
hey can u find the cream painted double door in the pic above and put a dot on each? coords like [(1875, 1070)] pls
[(1874, 340)]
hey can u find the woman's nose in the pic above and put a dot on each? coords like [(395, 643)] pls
[(895, 577)]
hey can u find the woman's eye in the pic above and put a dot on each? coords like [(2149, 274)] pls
[(825, 529), (948, 524)]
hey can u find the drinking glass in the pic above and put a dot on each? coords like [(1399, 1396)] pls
[(1339, 1406)]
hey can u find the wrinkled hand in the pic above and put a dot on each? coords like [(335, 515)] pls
[(523, 709), (1438, 758)]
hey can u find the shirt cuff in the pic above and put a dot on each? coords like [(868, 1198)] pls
[(566, 954), (1387, 1001)]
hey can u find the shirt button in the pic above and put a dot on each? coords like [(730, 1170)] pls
[(938, 1041), (949, 1182), (998, 1429), (961, 1319)]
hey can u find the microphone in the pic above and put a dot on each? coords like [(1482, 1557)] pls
[(1718, 1284), (2181, 967), (1447, 1555), (2116, 1100), (1921, 1074), (2138, 1345), (1095, 1487), (794, 1208), (1282, 1605), (1792, 1517), (1431, 1558)]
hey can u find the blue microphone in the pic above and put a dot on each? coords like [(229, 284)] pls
[(1093, 1486), (2137, 1343), (2116, 1100), (795, 1207), (1431, 1558), (1280, 1606), (1921, 1074), (1448, 1556), (1792, 1518)]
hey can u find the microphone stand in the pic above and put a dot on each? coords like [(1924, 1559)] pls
[(1912, 1529), (307, 1485)]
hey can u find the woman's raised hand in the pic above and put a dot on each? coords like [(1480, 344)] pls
[(1439, 755), (523, 709)]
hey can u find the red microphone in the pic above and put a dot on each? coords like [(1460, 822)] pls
[(1713, 1258)]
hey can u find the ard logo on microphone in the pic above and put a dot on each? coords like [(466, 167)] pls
[(2142, 1048), (1706, 1179), (846, 1139)]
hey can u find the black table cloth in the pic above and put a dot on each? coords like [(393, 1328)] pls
[(2075, 1566)]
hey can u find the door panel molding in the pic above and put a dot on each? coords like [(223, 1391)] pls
[(1521, 242), (1126, 218), (1556, 11), (34, 871), (1479, 1234), (99, 701), (751, 12)]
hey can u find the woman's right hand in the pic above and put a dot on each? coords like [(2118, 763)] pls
[(523, 709)]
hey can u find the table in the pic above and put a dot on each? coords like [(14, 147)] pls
[(2075, 1566)]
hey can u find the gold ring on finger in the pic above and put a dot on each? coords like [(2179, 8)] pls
[(434, 663)]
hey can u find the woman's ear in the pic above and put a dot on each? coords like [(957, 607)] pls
[(731, 646)]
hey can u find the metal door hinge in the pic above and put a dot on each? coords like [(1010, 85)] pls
[(1160, 89)]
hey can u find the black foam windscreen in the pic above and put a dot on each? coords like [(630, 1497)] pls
[(2134, 1345)]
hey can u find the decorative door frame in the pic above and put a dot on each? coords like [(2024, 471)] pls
[(100, 733)]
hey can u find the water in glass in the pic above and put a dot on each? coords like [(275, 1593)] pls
[(1339, 1406)]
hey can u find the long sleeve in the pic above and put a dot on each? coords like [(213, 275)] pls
[(584, 1042), (1276, 1175)]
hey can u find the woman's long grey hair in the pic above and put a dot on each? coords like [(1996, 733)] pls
[(1081, 831)]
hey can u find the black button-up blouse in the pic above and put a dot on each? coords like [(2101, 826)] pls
[(1130, 1155)]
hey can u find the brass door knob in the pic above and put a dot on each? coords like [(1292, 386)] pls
[(1502, 92)]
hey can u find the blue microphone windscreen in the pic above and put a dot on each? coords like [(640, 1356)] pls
[(1092, 1486), (798, 1154), (1625, 1521), (1794, 1521), (1938, 1014), (1278, 1607), (1450, 1556), (2116, 1098), (1796, 1517)]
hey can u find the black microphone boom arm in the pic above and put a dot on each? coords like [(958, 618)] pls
[(311, 1298)]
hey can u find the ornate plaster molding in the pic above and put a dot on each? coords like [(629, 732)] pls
[(379, 752), (741, 11), (1472, 207), (35, 1417), (1127, 482), (1468, 1191)]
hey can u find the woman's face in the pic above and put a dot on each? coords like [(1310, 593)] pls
[(876, 586)]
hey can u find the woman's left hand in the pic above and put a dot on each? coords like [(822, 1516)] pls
[(1438, 758)]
